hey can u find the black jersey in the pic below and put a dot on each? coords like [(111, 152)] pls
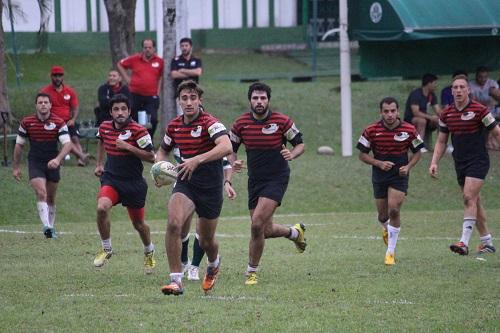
[(122, 163)]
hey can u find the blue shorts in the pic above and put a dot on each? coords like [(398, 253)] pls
[(271, 189), (207, 201)]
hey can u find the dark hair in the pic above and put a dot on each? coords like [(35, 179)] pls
[(459, 72), (42, 94), (482, 69), (186, 40), (154, 42), (460, 77), (388, 100), (119, 98), (428, 78), (259, 86), (189, 85)]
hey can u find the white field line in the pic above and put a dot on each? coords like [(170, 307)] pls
[(23, 232)]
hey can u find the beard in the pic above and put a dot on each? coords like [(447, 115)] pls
[(260, 112)]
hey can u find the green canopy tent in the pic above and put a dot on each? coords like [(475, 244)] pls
[(410, 37)]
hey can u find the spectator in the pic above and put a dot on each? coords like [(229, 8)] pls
[(417, 105), (65, 105), (185, 66), (144, 81), (113, 86)]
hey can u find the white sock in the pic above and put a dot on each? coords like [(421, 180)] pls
[(467, 228), (252, 269), (149, 248), (106, 244), (215, 263), (393, 238), (43, 212), (486, 240), (385, 224), (52, 215), (176, 277), (294, 233)]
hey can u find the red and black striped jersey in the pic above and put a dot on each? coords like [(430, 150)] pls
[(389, 145), (468, 130), (122, 163), (43, 136), (263, 140), (196, 138)]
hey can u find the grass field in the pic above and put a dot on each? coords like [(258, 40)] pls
[(338, 284)]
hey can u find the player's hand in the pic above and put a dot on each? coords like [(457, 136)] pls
[(285, 152), (187, 167), (16, 173), (71, 122), (385, 165), (99, 169), (230, 192), (120, 144), (433, 171), (238, 165), (53, 164), (404, 170)]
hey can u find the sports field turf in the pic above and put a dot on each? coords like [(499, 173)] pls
[(339, 284)]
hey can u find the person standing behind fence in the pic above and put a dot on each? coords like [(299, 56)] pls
[(144, 81), (105, 92), (65, 105), (43, 130), (185, 66)]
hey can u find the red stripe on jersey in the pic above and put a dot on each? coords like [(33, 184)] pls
[(268, 134), (387, 142), (467, 121), (42, 131), (130, 134)]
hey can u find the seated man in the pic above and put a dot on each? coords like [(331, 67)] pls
[(112, 87), (416, 108)]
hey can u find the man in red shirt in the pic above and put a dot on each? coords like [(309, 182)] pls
[(65, 105), (144, 81)]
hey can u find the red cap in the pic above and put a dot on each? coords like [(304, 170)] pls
[(57, 70)]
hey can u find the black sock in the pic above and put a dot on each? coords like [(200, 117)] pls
[(198, 253), (184, 253)]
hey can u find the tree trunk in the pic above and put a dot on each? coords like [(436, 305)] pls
[(121, 18), (169, 106), (42, 39), (4, 100)]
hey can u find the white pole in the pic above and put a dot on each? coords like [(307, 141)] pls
[(159, 27), (182, 23), (345, 82)]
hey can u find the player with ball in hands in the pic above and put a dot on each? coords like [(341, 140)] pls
[(202, 141)]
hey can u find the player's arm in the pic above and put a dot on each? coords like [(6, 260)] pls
[(177, 74), (296, 151), (123, 72), (369, 159), (228, 186), (190, 72), (100, 153), (439, 149), (417, 113), (16, 163), (66, 147), (405, 169), (437, 109), (144, 149)]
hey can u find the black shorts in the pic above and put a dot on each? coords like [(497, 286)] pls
[(74, 130), (271, 189), (132, 192), (380, 190), (476, 169), (39, 169), (207, 201)]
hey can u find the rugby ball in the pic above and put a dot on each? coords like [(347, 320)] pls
[(325, 150), (163, 173)]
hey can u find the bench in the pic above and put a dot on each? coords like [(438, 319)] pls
[(87, 133)]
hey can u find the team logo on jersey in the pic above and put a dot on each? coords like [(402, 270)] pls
[(417, 142), (49, 126), (402, 136), (155, 64), (144, 141), (269, 129), (292, 132), (197, 132), (67, 97), (167, 140), (125, 135), (193, 63), (467, 115), (488, 120)]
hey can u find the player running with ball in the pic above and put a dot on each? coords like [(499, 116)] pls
[(390, 139)]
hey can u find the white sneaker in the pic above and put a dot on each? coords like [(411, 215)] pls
[(424, 150), (193, 273), (185, 267)]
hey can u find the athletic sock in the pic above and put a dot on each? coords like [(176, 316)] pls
[(393, 238), (43, 212), (176, 277), (385, 224), (252, 269), (184, 252), (52, 215), (294, 234), (198, 252), (215, 263), (486, 240), (467, 228), (106, 244), (149, 248)]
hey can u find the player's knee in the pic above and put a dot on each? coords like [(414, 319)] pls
[(394, 213), (174, 227), (469, 200), (382, 218), (257, 228)]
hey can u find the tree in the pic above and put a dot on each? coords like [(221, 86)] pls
[(4, 100), (42, 35), (121, 18), (169, 107)]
